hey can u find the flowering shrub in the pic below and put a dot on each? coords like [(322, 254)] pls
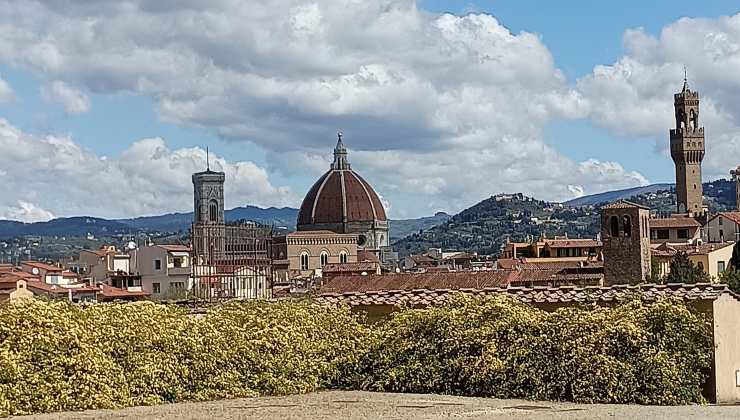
[(55, 356), (635, 353)]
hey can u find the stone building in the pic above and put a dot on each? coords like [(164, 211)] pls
[(341, 201), (687, 151), (625, 233), (304, 254)]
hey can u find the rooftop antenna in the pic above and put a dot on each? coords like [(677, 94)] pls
[(685, 74), (208, 161)]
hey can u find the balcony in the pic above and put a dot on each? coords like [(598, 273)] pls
[(178, 271)]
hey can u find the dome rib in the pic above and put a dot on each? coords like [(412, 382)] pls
[(318, 194), (369, 198)]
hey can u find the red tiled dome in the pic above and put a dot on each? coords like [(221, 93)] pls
[(340, 196)]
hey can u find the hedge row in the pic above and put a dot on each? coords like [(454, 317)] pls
[(56, 356), (634, 353)]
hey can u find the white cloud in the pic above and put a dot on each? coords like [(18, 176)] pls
[(148, 178), (25, 212), (634, 95), (72, 100), (451, 107), (6, 93)]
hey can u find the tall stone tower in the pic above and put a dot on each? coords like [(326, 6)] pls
[(208, 194), (625, 232), (687, 151), (736, 177)]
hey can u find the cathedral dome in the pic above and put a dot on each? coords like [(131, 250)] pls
[(339, 198)]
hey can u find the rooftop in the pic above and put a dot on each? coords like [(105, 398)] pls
[(732, 215), (674, 222), (563, 294), (668, 250), (411, 281), (41, 266)]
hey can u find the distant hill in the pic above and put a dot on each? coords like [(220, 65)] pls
[(67, 226), (719, 195), (174, 222), (180, 222), (401, 228), (484, 227), (610, 196)]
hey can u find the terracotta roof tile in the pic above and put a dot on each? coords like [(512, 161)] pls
[(624, 204), (411, 281), (732, 215), (674, 222), (572, 243), (369, 267), (565, 294), (41, 266)]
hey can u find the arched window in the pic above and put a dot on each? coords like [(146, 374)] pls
[(614, 226), (627, 223), (324, 258), (213, 211), (692, 119), (304, 261), (343, 257)]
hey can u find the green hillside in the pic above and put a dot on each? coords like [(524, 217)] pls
[(484, 227)]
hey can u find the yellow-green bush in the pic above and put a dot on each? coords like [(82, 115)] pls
[(634, 353), (55, 356)]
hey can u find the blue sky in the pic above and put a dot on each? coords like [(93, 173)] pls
[(283, 142)]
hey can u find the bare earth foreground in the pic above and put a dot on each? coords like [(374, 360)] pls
[(368, 405)]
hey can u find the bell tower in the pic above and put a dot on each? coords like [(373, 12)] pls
[(208, 194), (687, 151)]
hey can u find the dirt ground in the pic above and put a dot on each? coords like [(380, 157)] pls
[(366, 405)]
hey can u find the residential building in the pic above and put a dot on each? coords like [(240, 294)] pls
[(713, 258), (165, 269), (559, 247), (46, 273), (676, 229), (723, 227), (98, 264)]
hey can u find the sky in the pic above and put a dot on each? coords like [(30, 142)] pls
[(106, 107)]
